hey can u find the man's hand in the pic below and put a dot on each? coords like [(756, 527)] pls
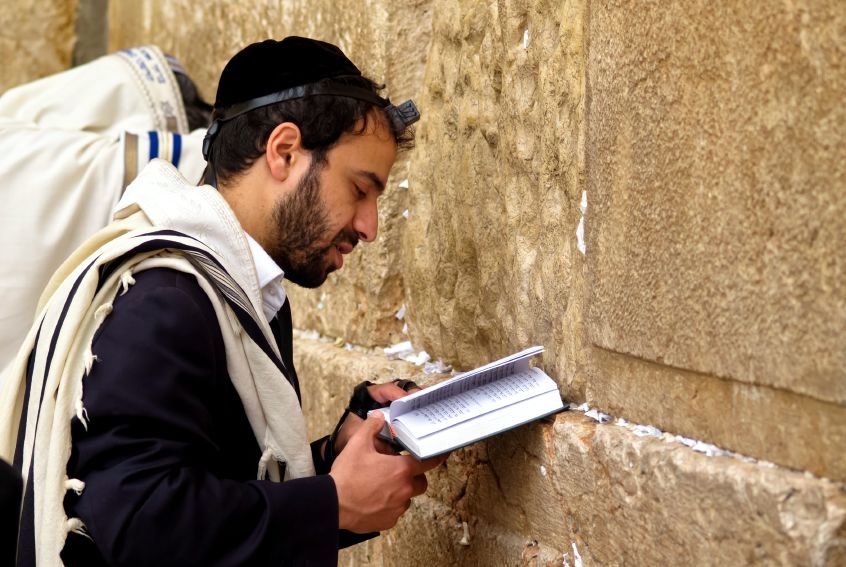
[(374, 489), (382, 393)]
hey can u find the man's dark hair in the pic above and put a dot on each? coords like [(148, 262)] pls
[(197, 110), (322, 120)]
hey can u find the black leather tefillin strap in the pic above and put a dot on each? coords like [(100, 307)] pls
[(361, 403)]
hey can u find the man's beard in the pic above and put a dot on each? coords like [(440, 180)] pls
[(301, 222)]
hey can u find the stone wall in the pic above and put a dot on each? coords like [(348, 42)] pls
[(702, 148), (36, 39), (716, 245)]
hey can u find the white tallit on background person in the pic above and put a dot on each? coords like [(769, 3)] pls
[(71, 143)]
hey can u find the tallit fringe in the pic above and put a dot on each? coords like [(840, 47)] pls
[(75, 484), (90, 359), (81, 412), (102, 312), (78, 408), (77, 526), (126, 280), (266, 458)]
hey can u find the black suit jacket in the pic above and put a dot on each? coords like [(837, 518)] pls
[(168, 457)]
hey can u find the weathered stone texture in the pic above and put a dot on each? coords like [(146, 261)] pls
[(796, 431), (716, 167), (715, 233), (490, 252), (620, 499), (36, 39), (533, 493), (700, 510)]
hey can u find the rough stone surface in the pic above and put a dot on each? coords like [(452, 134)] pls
[(700, 510), (716, 161), (36, 39), (490, 251), (768, 423), (620, 499)]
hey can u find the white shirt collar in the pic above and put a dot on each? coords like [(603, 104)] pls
[(270, 277)]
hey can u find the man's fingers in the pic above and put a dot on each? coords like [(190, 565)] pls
[(386, 393), (374, 423), (419, 484)]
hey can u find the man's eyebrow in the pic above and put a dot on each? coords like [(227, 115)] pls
[(374, 179)]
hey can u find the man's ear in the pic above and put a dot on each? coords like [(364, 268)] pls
[(284, 149)]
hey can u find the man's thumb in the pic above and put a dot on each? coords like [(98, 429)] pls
[(375, 422)]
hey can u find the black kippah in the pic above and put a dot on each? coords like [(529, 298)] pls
[(273, 71), (271, 66)]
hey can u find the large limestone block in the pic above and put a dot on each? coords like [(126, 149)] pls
[(716, 181), (613, 498), (491, 250), (768, 423), (388, 41), (37, 39), (653, 503)]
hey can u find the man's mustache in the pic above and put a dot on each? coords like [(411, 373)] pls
[(348, 236)]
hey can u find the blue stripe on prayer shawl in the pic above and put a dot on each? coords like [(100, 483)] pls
[(154, 144), (177, 149)]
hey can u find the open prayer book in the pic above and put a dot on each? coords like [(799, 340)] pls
[(472, 406)]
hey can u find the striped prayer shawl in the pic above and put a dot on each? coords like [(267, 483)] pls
[(42, 389)]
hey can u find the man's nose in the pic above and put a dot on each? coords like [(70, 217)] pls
[(366, 221)]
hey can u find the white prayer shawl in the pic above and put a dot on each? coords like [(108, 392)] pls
[(71, 142), (159, 199)]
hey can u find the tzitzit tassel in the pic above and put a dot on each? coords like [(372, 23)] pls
[(102, 312), (74, 484), (81, 413), (77, 526), (263, 462), (126, 280), (90, 359)]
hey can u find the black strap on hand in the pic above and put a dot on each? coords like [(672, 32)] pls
[(361, 402)]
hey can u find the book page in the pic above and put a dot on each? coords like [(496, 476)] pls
[(490, 372), (496, 393), (483, 426)]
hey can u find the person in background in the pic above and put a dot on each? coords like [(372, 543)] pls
[(71, 143), (154, 409)]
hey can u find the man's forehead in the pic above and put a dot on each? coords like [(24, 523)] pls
[(367, 156)]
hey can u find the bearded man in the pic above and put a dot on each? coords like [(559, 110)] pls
[(154, 410)]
